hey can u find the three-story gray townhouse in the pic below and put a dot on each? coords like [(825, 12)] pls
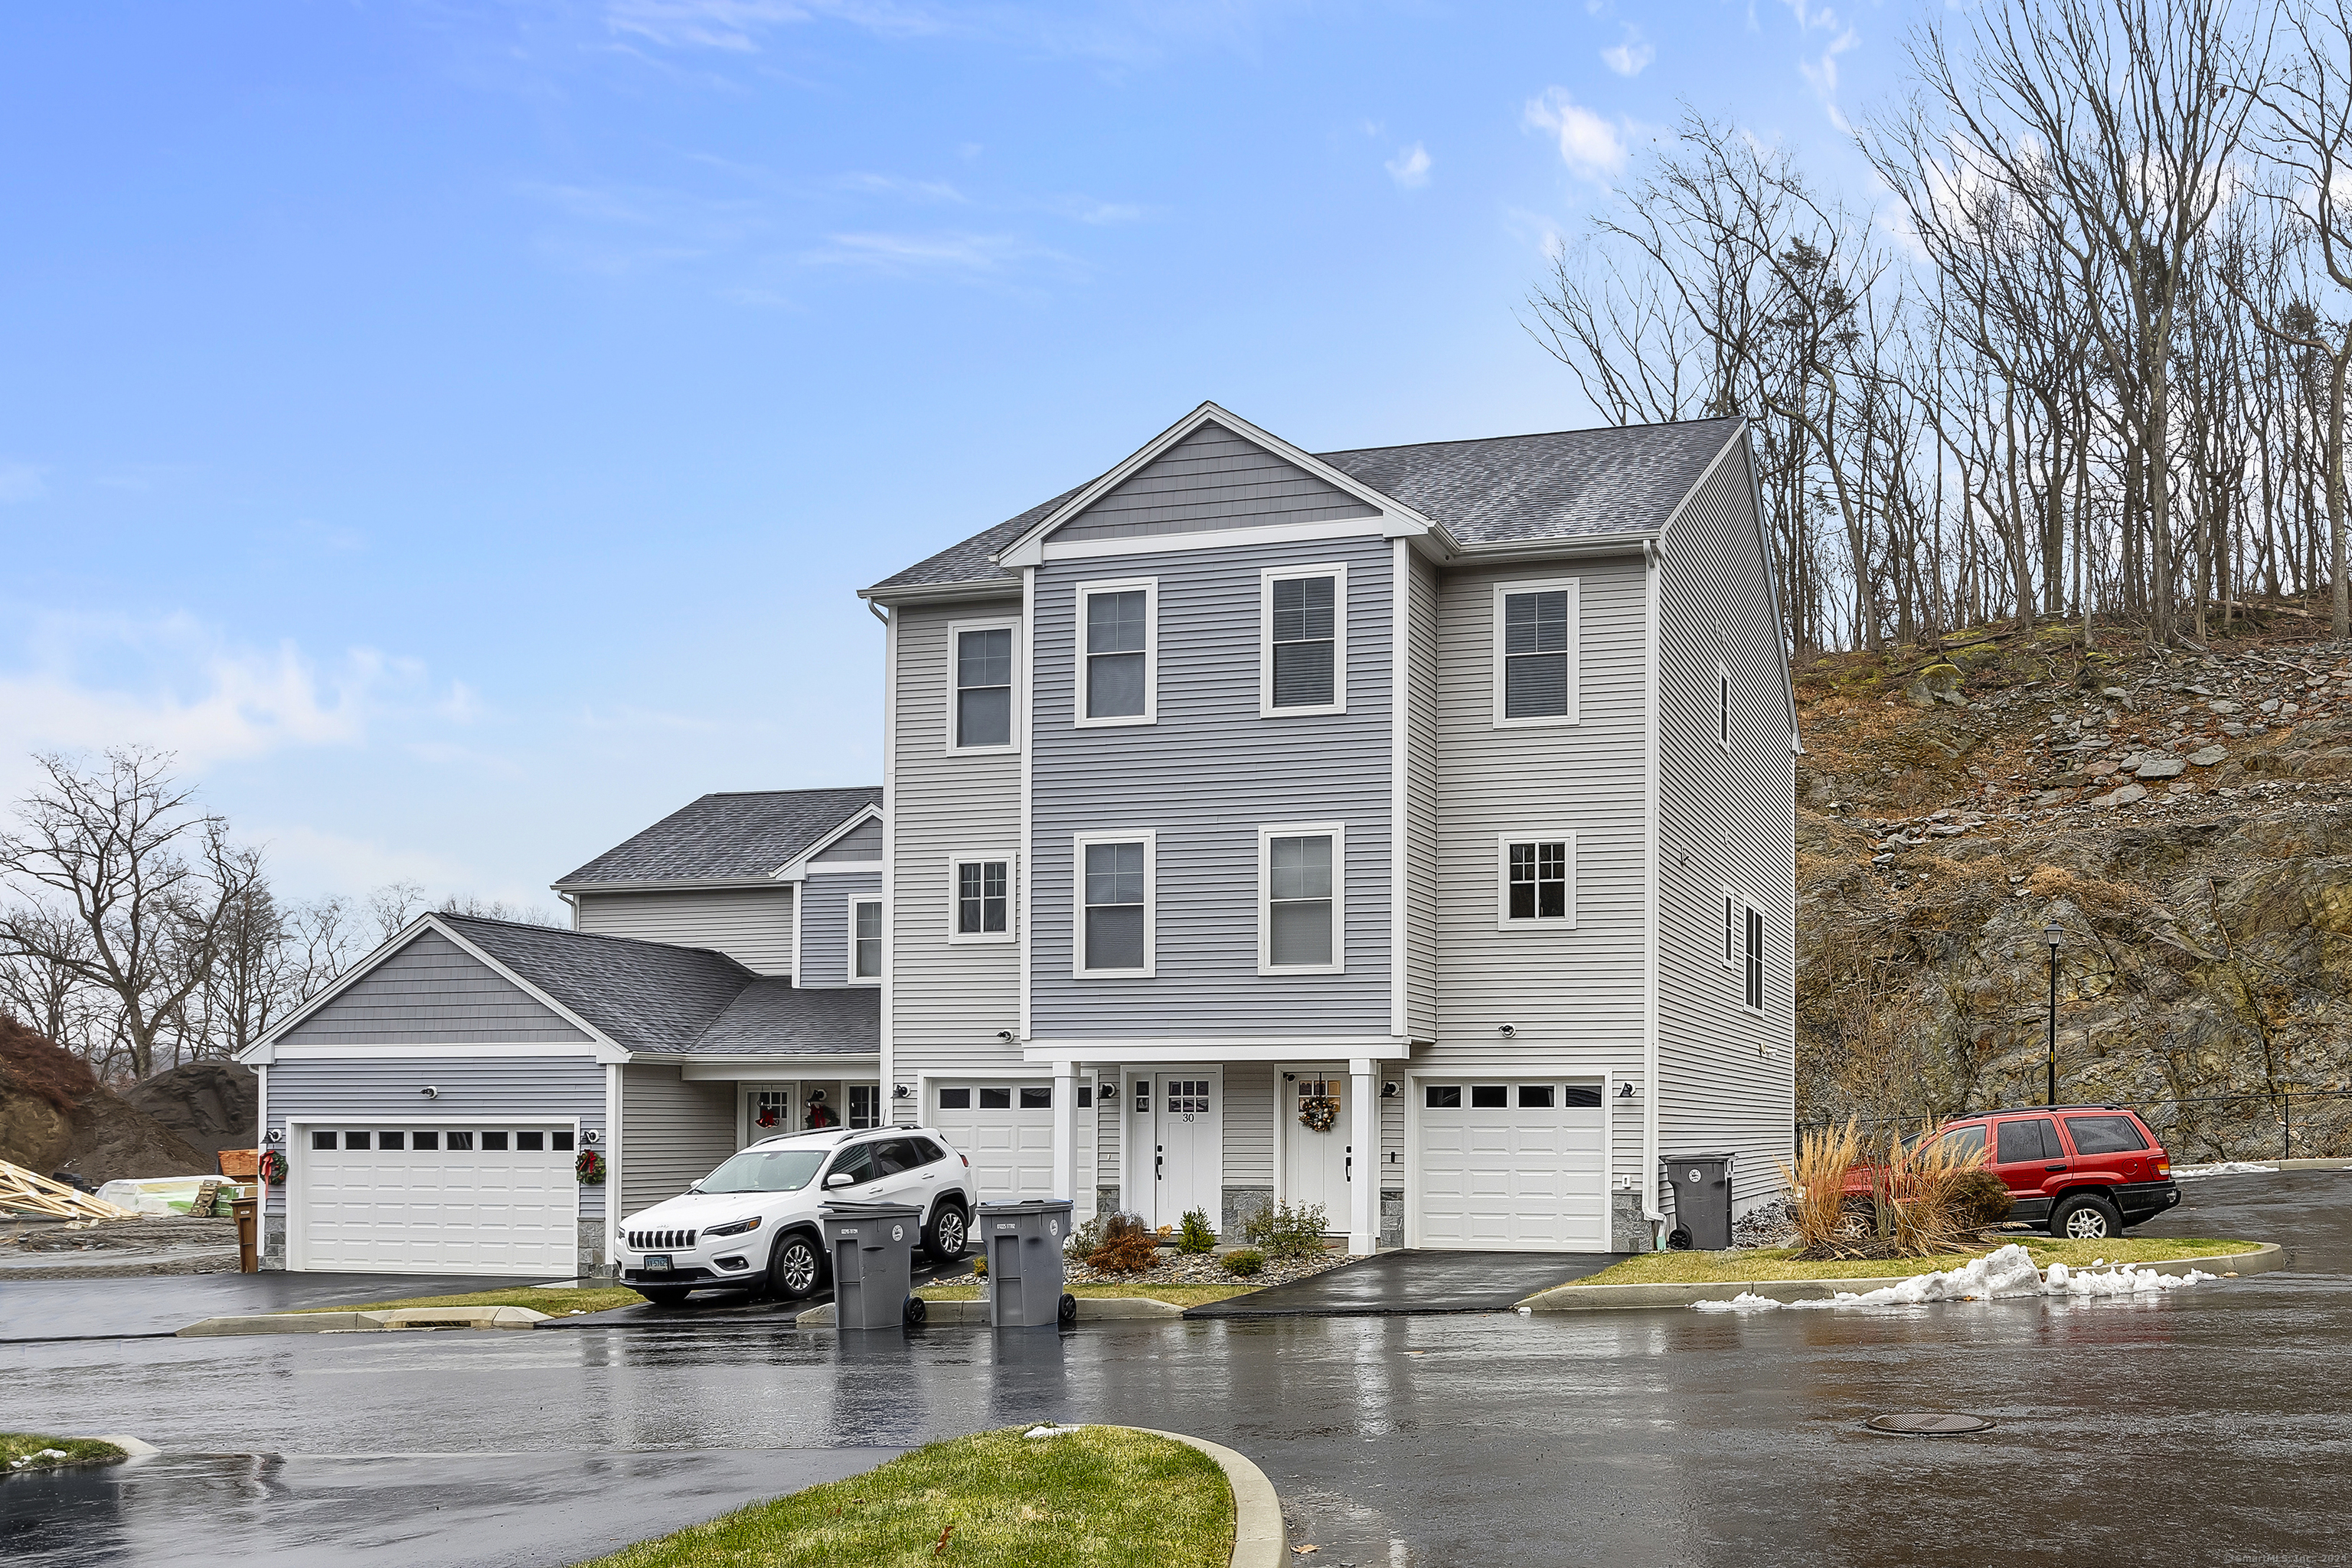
[(1407, 830)]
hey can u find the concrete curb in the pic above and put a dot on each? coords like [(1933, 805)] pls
[(366, 1322), (1259, 1540), (132, 1448), (1615, 1297), (1091, 1308)]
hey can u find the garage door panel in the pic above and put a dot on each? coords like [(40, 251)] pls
[(436, 1210), (1525, 1175), (1009, 1145)]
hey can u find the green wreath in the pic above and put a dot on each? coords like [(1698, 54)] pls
[(1318, 1112)]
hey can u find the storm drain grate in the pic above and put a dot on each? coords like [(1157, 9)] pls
[(1928, 1424)]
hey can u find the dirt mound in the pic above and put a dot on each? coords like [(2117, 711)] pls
[(212, 1105), (53, 1115), (30, 1063), (113, 1140)]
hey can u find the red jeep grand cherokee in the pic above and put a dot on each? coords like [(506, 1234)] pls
[(2083, 1171)]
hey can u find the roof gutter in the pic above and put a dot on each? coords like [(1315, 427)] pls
[(1558, 548), (663, 884), (943, 593)]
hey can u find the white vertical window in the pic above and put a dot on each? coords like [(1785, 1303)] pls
[(1303, 641), (1119, 635), (1302, 877), (1534, 875), (865, 939), (1536, 652), (1730, 928), (1753, 968), (1722, 706), (983, 666), (1113, 934), (980, 898)]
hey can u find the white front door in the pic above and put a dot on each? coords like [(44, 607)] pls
[(1179, 1147), (1005, 1130), (398, 1198), (1317, 1165), (1512, 1164)]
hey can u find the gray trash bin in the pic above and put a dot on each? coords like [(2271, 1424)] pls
[(872, 1248), (1023, 1243), (1701, 1184)]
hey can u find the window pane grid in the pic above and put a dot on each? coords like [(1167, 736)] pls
[(866, 955), (1299, 900), (983, 904), (1535, 653), (1537, 880), (1304, 637), (1117, 632), (1113, 934), (985, 688)]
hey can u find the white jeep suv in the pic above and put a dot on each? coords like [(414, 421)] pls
[(753, 1220)]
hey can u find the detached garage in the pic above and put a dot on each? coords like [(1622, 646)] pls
[(1511, 1164)]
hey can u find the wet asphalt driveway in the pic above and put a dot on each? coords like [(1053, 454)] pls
[(2210, 1425)]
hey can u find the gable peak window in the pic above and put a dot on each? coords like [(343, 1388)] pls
[(982, 899), (865, 939), (1535, 652), (1537, 877), (1118, 625), (984, 688), (1114, 935), (1303, 649), (1299, 921)]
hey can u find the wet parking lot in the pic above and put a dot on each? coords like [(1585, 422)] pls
[(2206, 1426)]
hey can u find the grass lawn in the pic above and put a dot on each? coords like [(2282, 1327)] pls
[(1099, 1498), (31, 1451), (1182, 1295), (1772, 1263), (559, 1302)]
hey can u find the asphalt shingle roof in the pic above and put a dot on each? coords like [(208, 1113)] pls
[(721, 836), (1504, 490), (664, 1000)]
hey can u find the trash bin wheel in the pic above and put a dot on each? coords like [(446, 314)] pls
[(917, 1310), (1069, 1310)]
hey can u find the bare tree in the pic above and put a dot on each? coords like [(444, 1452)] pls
[(392, 906), (124, 883)]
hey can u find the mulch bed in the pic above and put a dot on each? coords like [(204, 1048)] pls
[(1205, 1268)]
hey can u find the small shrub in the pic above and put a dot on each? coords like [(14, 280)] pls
[(1127, 1247), (1084, 1239), (1195, 1237), (1243, 1262), (1283, 1231), (1982, 1198), (980, 1266)]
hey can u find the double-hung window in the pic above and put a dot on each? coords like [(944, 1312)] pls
[(1536, 880), (1119, 635), (1303, 640), (1114, 932), (1535, 652), (1301, 878), (982, 718), (980, 899), (865, 941), (1743, 948)]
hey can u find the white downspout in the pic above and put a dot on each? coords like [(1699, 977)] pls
[(1651, 1209)]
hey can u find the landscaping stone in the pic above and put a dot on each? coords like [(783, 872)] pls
[(2162, 768), (2208, 756)]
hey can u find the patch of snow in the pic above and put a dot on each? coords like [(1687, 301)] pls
[(2226, 1168), (2006, 1271), (1053, 1431)]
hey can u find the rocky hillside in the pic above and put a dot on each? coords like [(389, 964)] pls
[(2181, 817)]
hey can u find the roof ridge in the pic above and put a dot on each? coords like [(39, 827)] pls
[(806, 789), (595, 936), (1533, 435)]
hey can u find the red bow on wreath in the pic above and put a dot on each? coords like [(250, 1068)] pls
[(767, 1116)]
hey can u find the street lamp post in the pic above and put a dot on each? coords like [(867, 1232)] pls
[(2051, 933)]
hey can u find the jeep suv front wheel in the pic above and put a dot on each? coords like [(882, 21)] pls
[(796, 1269), (2085, 1217), (948, 1233)]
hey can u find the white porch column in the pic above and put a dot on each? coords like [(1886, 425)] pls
[(1066, 1130), (1364, 1144)]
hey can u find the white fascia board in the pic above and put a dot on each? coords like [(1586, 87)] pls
[(1505, 552), (661, 885), (1028, 549), (870, 812), (1004, 587), (554, 1050), (1216, 539), (1237, 1048)]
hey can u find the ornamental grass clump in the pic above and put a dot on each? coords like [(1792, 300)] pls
[(1818, 1186), (1927, 1197), (1127, 1247)]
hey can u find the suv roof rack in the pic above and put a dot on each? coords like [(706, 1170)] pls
[(2026, 1110)]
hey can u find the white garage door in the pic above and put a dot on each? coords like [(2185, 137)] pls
[(1515, 1166), (1005, 1130), (393, 1199)]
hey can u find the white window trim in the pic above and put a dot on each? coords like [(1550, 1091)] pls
[(955, 641), (1151, 714), (1266, 835), (1730, 905), (1338, 573), (1011, 932), (1575, 650), (1150, 839), (1503, 842), (1748, 912), (1723, 701), (851, 976)]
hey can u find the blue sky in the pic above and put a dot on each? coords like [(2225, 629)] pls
[(459, 430)]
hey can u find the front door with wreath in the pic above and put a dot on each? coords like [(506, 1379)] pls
[(1315, 1145)]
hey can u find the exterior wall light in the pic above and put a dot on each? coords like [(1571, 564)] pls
[(430, 1092)]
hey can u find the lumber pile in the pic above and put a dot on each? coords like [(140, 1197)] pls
[(23, 1193)]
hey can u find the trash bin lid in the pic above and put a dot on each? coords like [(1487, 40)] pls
[(856, 1211), (1026, 1206), (1671, 1160)]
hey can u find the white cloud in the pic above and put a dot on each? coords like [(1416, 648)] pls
[(1410, 167), (20, 482), (1822, 75), (970, 254), (899, 185), (1629, 54), (735, 26), (1591, 146)]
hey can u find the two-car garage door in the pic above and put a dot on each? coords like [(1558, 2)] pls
[(1513, 1165), (398, 1198)]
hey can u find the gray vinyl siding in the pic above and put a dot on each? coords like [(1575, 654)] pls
[(1249, 1124), (672, 1132), (1420, 801), (863, 842), (1212, 478), (1207, 776), (388, 1089), (825, 924), (947, 1000), (1574, 997), (1727, 1075), (751, 925), (432, 992)]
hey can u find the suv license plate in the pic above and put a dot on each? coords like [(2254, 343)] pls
[(657, 1263)]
